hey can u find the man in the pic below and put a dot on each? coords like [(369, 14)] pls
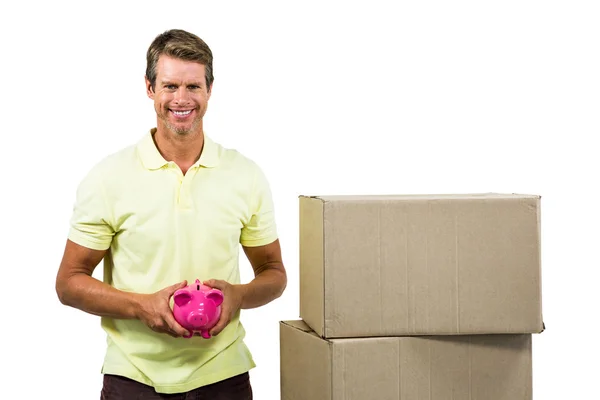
[(172, 208)]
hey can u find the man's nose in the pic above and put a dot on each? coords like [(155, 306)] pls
[(182, 95)]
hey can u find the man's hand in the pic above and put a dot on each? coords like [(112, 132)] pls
[(233, 297), (156, 312)]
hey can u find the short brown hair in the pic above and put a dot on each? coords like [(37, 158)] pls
[(180, 44)]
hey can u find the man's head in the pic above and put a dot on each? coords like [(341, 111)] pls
[(177, 43), (179, 80)]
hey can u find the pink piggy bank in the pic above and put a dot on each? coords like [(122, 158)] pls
[(197, 308)]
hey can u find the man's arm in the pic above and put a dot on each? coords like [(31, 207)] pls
[(270, 280), (77, 288)]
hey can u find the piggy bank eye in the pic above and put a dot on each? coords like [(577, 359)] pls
[(197, 287)]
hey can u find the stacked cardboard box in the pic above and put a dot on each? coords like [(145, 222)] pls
[(415, 297)]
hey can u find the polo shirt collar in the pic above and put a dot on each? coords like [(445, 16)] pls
[(210, 154), (152, 159)]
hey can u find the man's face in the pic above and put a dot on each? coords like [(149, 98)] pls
[(180, 94)]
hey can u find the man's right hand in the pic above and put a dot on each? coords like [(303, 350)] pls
[(156, 312)]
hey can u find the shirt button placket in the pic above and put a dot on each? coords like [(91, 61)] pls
[(185, 193)]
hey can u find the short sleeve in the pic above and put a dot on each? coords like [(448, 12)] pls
[(261, 228), (90, 221)]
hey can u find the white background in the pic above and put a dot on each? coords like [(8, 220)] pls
[(329, 98)]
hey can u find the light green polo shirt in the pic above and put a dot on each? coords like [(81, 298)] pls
[(163, 227)]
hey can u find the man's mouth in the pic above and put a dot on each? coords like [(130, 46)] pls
[(181, 113)]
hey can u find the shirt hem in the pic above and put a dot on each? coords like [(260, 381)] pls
[(79, 239), (258, 242)]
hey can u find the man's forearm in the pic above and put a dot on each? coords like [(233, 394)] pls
[(88, 294), (264, 288)]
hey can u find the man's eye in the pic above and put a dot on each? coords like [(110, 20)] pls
[(193, 87), (171, 87)]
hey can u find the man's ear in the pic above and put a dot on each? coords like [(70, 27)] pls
[(210, 91), (149, 90)]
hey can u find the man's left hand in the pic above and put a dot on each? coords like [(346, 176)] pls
[(233, 296)]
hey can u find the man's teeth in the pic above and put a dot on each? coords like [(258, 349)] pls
[(182, 113)]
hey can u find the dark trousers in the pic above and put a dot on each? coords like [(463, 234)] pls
[(120, 388)]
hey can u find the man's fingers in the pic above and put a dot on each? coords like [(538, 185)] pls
[(215, 284), (173, 288), (210, 282), (223, 321), (174, 326), (217, 329)]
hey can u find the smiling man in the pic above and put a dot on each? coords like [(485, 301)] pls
[(170, 209)]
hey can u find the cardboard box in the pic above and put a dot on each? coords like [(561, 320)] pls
[(477, 367), (420, 265)]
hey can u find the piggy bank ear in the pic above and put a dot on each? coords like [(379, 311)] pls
[(182, 297), (216, 296)]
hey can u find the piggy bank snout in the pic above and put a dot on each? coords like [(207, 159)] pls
[(197, 318)]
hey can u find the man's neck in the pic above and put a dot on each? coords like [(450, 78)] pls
[(183, 150)]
